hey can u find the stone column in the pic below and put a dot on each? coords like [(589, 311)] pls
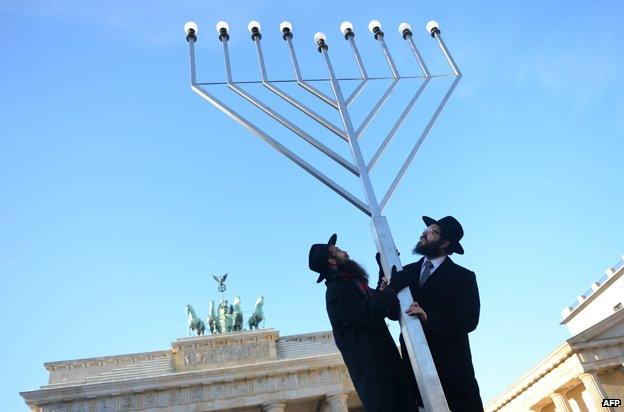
[(273, 407), (336, 403), (561, 404), (594, 390)]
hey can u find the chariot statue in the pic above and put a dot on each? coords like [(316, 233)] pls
[(213, 322), (225, 320), (237, 315)]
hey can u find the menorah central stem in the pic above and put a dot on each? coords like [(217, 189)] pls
[(418, 350)]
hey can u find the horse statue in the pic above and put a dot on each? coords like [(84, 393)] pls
[(225, 321), (237, 315), (258, 315), (213, 322), (194, 323)]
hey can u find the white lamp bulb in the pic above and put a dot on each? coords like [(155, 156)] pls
[(222, 25), (373, 24), (285, 25), (432, 25), (346, 25), (190, 25), (253, 25), (403, 27), (319, 36)]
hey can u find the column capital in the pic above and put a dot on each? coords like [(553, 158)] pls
[(336, 402), (560, 401), (336, 397), (274, 407), (594, 388)]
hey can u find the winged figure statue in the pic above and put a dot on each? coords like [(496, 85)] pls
[(221, 281)]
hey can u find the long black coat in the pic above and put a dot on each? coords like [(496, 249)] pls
[(450, 298), (368, 350)]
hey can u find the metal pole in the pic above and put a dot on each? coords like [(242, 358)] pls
[(413, 334)]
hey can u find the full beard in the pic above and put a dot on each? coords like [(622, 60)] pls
[(353, 268), (430, 249)]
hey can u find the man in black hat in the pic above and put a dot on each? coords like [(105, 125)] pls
[(446, 299), (357, 313)]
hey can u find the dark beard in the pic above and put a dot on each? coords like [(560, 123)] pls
[(431, 249), (353, 268)]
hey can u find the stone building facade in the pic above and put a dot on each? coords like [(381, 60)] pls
[(586, 368), (241, 371)]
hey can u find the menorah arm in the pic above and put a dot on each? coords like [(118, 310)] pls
[(410, 157), (423, 135), (363, 74), (384, 98), (292, 127), (409, 106), (282, 149), (307, 86), (265, 81), (421, 61), (397, 125)]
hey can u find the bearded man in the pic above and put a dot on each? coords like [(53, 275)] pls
[(357, 313), (446, 299)]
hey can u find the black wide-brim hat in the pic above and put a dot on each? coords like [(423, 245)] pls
[(451, 230), (317, 259)]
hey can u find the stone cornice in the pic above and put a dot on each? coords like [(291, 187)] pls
[(570, 312), (591, 355), (554, 359), (105, 360), (598, 328), (86, 391)]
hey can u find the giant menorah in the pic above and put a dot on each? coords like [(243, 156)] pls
[(418, 351)]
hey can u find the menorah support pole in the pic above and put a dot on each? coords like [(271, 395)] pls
[(413, 334)]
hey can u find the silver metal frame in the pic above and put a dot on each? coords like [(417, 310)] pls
[(418, 351)]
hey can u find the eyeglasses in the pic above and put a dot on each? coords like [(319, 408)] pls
[(432, 230)]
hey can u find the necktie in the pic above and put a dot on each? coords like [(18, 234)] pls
[(426, 273)]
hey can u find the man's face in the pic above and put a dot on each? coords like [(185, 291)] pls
[(336, 256), (431, 242)]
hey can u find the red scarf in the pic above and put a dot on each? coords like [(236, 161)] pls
[(361, 284)]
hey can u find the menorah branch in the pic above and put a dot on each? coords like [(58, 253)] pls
[(288, 35), (431, 122), (294, 102), (279, 118), (407, 35), (347, 29)]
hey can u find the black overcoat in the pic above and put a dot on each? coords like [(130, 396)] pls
[(450, 298), (368, 350)]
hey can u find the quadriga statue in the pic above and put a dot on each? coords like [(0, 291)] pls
[(237, 315), (194, 323), (225, 319), (213, 322), (258, 315)]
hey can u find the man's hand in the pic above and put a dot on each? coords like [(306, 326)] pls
[(415, 310), (384, 283), (398, 280)]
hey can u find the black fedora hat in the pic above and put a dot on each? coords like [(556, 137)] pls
[(451, 230), (317, 259)]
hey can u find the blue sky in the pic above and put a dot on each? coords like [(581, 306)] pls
[(123, 192)]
